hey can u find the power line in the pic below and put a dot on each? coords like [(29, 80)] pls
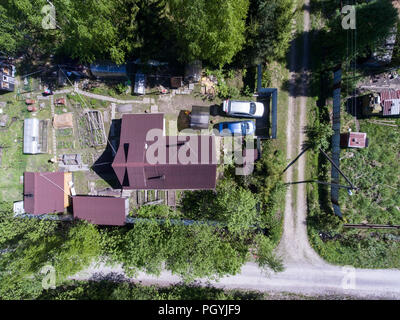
[(62, 189)]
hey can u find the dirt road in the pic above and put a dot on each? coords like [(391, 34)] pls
[(297, 278), (294, 246)]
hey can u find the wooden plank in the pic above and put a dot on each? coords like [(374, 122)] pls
[(67, 190), (140, 198), (171, 195), (371, 226)]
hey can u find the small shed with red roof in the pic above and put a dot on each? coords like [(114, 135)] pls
[(354, 140)]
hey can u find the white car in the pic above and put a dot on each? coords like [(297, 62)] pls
[(243, 109)]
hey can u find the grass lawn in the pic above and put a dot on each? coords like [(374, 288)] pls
[(375, 170), (80, 182), (13, 163)]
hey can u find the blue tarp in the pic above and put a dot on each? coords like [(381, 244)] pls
[(108, 70)]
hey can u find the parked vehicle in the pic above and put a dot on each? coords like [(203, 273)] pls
[(243, 109), (238, 127)]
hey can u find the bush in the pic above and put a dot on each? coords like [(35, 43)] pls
[(246, 91), (233, 92), (265, 258), (121, 88)]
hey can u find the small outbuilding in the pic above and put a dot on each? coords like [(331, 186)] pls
[(353, 140), (46, 192), (7, 76), (200, 117), (176, 82), (101, 210)]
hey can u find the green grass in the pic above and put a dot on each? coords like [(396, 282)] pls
[(14, 162), (65, 144), (64, 132), (101, 184), (278, 81), (80, 182), (375, 170)]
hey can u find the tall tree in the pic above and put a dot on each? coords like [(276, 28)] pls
[(237, 207), (21, 27), (94, 29), (85, 29), (27, 245), (190, 251), (374, 22), (230, 204), (209, 30), (268, 30)]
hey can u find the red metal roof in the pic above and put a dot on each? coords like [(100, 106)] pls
[(389, 94), (390, 101), (100, 210), (135, 168), (391, 107), (353, 140), (43, 192)]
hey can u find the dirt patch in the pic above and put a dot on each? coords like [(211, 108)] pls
[(173, 105)]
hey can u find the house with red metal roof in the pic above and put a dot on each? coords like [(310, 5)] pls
[(390, 101), (146, 159), (46, 192), (354, 140), (385, 103), (109, 211)]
